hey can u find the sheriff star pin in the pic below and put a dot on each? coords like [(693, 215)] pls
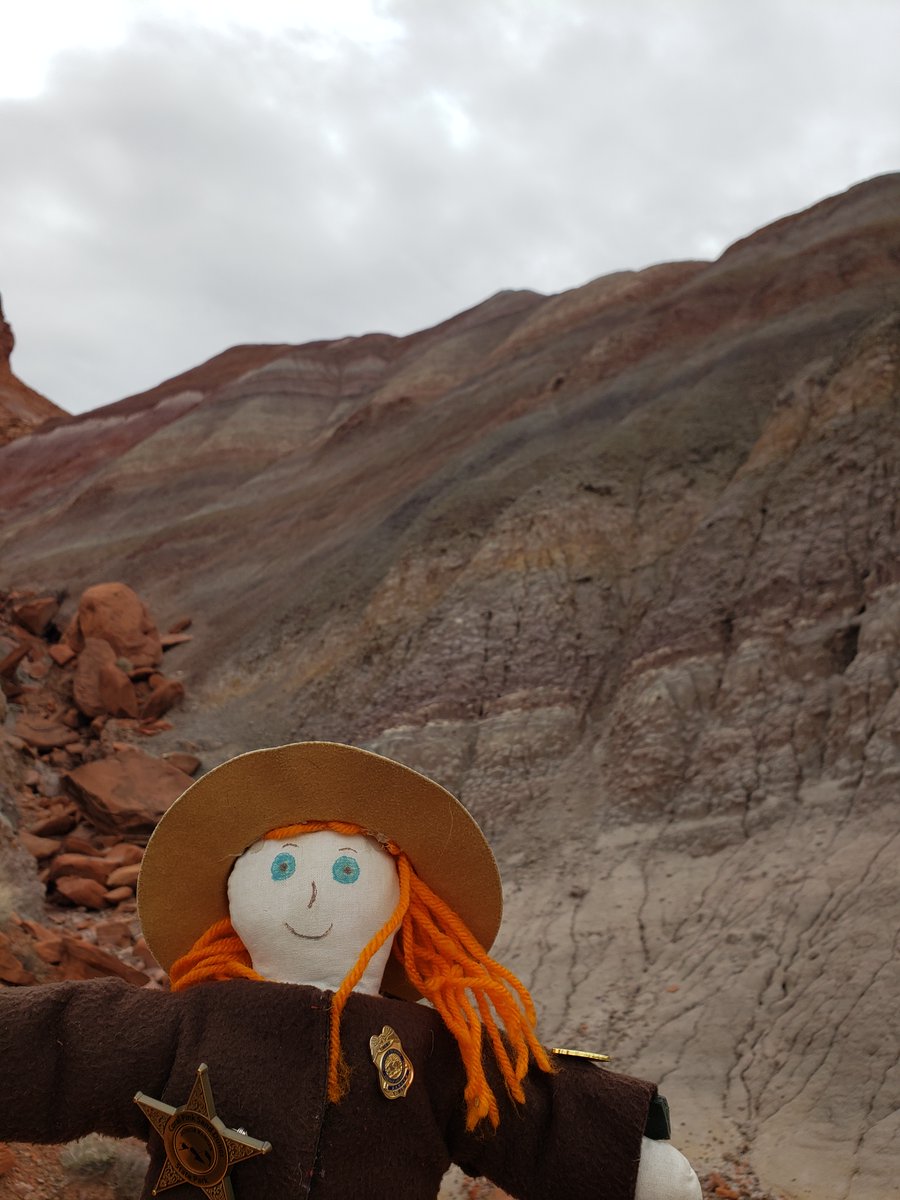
[(200, 1148)]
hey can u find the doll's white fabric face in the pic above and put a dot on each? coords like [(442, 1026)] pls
[(306, 907)]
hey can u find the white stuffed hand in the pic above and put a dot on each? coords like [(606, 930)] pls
[(665, 1174)]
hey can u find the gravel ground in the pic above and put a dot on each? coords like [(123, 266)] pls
[(101, 1169)]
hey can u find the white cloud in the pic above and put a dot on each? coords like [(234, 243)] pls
[(197, 182)]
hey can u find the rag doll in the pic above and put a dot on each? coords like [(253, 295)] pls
[(305, 900)]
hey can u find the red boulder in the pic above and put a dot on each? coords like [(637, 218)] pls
[(100, 685), (113, 612), (128, 792)]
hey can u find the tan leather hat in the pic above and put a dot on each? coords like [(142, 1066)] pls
[(182, 888)]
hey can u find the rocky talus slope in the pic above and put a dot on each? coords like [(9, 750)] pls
[(620, 568), (79, 793), (79, 796)]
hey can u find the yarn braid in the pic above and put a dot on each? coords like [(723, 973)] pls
[(442, 960)]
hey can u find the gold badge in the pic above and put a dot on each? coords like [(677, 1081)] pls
[(395, 1071), (200, 1149), (588, 1055)]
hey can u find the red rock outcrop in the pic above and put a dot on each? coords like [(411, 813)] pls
[(22, 410)]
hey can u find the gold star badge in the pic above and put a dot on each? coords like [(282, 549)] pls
[(200, 1149)]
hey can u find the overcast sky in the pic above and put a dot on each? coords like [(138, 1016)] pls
[(182, 175)]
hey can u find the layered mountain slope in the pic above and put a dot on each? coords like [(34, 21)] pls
[(620, 567)]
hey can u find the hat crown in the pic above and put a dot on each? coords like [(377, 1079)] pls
[(182, 889)]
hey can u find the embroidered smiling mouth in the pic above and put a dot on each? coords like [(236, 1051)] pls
[(310, 937)]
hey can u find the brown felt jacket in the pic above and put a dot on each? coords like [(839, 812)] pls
[(72, 1056)]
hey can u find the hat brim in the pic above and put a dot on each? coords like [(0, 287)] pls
[(182, 889)]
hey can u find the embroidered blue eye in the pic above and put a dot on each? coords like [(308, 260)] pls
[(345, 870), (283, 866)]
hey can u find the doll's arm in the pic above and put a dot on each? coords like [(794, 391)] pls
[(74, 1054), (579, 1136)]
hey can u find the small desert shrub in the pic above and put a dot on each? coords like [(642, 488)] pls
[(91, 1155), (122, 1164)]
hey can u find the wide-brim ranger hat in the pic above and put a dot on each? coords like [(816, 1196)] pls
[(182, 889)]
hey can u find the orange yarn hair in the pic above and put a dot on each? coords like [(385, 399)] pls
[(442, 960)]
